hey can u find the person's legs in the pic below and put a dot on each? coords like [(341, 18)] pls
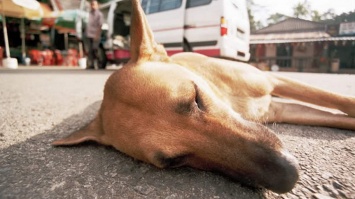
[(91, 54), (95, 47)]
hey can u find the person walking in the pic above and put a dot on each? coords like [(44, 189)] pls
[(93, 34)]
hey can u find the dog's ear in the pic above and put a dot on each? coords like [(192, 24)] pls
[(92, 132), (143, 45)]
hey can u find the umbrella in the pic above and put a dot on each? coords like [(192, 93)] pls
[(19, 9), (49, 16), (67, 21), (71, 21)]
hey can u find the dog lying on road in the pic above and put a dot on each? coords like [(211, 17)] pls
[(206, 113)]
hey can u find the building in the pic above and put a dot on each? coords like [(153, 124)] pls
[(304, 46)]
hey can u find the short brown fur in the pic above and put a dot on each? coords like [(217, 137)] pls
[(206, 113)]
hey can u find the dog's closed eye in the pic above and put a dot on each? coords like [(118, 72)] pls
[(168, 161), (184, 108), (187, 107), (198, 101)]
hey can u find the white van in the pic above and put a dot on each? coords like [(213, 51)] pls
[(218, 28)]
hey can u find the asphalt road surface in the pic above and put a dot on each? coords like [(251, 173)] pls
[(38, 106)]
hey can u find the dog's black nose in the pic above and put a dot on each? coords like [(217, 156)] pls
[(283, 173)]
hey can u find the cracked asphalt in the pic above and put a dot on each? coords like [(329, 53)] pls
[(40, 105)]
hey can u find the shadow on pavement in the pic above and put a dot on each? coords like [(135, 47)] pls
[(35, 169)]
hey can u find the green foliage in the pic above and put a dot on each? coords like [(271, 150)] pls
[(251, 20), (102, 1), (316, 16), (44, 1), (302, 10), (344, 17), (329, 14), (254, 25), (275, 18)]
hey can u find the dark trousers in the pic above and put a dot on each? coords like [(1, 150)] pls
[(93, 46)]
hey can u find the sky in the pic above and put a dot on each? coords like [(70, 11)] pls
[(268, 7)]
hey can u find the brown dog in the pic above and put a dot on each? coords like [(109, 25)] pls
[(205, 113)]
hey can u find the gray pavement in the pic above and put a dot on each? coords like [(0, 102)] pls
[(40, 105)]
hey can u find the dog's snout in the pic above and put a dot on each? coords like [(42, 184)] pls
[(284, 175), (269, 163)]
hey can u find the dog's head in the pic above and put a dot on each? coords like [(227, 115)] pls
[(160, 112)]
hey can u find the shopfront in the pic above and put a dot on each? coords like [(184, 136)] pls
[(311, 49)]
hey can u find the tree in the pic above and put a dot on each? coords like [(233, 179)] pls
[(251, 21), (259, 25), (254, 25), (344, 17), (329, 14), (275, 18), (302, 10), (316, 16)]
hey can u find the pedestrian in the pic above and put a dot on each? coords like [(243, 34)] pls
[(93, 34)]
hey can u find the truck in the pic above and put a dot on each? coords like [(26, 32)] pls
[(217, 28)]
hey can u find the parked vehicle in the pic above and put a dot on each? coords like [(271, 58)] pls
[(218, 28)]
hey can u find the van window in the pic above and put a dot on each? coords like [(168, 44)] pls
[(195, 3), (153, 6)]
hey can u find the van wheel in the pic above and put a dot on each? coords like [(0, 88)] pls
[(186, 46)]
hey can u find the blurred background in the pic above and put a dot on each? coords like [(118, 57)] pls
[(299, 35)]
